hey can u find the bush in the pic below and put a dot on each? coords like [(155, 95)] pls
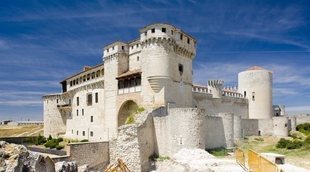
[(59, 147), (130, 119), (50, 137), (60, 139), (140, 109), (51, 143), (84, 140), (297, 135), (307, 141), (296, 144), (40, 140), (282, 143), (304, 128)]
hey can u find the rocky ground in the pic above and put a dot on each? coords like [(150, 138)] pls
[(196, 160), (16, 158)]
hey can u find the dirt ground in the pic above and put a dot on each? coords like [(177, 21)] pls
[(298, 157), (19, 131)]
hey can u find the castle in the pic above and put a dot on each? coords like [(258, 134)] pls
[(155, 72)]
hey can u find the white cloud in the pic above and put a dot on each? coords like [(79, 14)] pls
[(21, 103)]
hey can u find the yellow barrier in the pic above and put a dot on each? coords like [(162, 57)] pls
[(258, 163), (240, 157)]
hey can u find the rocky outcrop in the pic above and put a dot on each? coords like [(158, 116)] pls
[(16, 158), (66, 166)]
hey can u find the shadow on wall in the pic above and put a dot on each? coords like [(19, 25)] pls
[(215, 134)]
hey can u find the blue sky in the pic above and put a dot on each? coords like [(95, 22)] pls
[(42, 42)]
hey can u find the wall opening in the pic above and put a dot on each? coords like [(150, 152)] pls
[(128, 108)]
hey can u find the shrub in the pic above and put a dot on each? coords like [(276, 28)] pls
[(140, 109), (307, 141), (162, 158), (130, 119), (40, 140), (51, 143), (50, 137), (294, 144), (282, 143), (60, 139), (84, 140), (297, 135), (59, 147), (304, 128)]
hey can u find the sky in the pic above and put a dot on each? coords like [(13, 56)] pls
[(43, 42)]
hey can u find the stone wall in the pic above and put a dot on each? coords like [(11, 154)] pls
[(214, 132), (214, 106), (95, 154), (181, 128), (300, 119), (249, 127), (135, 143), (280, 126)]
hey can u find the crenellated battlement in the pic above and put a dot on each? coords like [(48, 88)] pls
[(111, 51), (215, 83)]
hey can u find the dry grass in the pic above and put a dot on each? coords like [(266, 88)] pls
[(298, 157), (18, 131)]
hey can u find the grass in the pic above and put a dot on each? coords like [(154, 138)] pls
[(219, 152), (13, 131), (299, 157)]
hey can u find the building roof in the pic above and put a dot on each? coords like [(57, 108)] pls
[(256, 68), (85, 69), (128, 73)]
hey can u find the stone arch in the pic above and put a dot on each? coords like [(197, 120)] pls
[(127, 108)]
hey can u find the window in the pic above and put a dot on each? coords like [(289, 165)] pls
[(57, 101), (77, 132), (153, 30), (253, 96), (163, 30), (123, 47), (138, 81), (83, 133), (77, 81), (113, 48), (145, 33), (70, 83), (77, 112), (120, 84), (77, 101), (91, 118), (91, 134), (171, 32), (84, 78), (102, 72), (89, 98), (72, 131), (181, 69), (88, 77), (244, 93), (93, 75), (181, 36), (137, 58), (98, 73), (69, 101), (82, 112), (96, 97), (188, 41)]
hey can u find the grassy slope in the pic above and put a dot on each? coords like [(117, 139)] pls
[(13, 131), (298, 157)]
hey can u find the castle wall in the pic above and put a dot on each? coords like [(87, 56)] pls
[(79, 124), (181, 128), (300, 119), (54, 121), (280, 126), (255, 127), (237, 106)]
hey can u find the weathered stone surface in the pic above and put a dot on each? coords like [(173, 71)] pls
[(83, 168), (16, 158), (66, 166)]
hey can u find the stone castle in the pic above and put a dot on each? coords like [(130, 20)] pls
[(155, 72)]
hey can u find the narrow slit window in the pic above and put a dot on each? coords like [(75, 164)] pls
[(91, 118), (89, 99), (253, 96), (96, 97), (181, 69)]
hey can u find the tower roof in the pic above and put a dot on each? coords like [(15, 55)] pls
[(256, 68)]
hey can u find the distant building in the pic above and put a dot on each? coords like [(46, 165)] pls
[(5, 122), (19, 123)]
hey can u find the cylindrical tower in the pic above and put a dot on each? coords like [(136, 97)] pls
[(166, 54), (256, 85)]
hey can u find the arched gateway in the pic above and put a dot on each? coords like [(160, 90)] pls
[(129, 107)]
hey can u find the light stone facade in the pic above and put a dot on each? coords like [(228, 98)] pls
[(155, 72)]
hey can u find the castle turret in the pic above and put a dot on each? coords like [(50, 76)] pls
[(115, 63), (256, 85), (167, 53), (215, 88)]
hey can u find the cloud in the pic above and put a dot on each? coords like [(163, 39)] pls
[(21, 103), (284, 91), (305, 108), (3, 45)]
